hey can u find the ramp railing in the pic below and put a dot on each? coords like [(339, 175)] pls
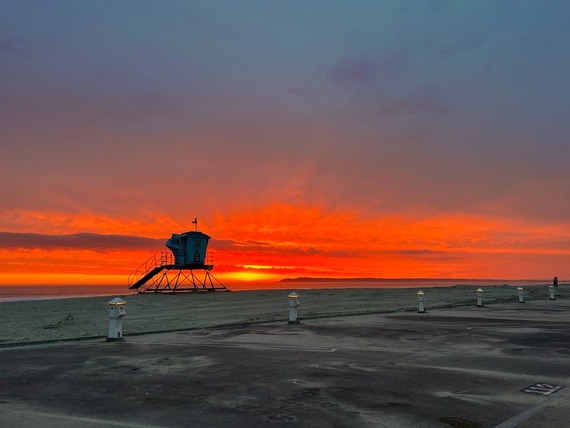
[(162, 258)]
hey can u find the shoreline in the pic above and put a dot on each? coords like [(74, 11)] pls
[(17, 293)]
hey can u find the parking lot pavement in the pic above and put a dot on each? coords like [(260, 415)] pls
[(502, 366)]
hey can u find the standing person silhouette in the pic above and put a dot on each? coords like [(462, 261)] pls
[(555, 281)]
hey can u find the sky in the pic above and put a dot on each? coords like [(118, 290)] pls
[(311, 138)]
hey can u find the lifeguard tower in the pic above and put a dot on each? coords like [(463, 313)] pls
[(179, 270)]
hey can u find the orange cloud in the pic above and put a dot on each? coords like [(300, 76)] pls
[(280, 241), (54, 222)]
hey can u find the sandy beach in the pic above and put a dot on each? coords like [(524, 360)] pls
[(48, 320)]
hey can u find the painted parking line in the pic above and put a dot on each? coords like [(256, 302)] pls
[(523, 416), (247, 345), (28, 418), (537, 388)]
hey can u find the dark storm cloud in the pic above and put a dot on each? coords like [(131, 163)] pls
[(14, 45), (386, 87), (77, 241), (270, 248), (416, 103), (353, 71), (424, 254)]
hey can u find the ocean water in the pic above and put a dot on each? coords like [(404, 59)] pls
[(10, 293)]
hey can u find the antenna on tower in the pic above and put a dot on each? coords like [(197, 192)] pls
[(195, 223)]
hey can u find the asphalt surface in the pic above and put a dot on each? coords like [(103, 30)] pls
[(502, 366)]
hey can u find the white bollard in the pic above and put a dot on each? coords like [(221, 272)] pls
[(521, 294), (421, 308), (116, 314), (551, 290), (480, 297), (293, 303)]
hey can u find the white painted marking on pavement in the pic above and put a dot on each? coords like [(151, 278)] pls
[(523, 416), (25, 415), (531, 411)]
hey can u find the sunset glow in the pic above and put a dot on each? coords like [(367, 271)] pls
[(282, 241), (390, 139)]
